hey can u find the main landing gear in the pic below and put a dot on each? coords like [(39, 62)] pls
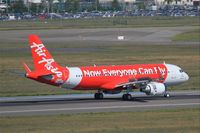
[(127, 97), (98, 95)]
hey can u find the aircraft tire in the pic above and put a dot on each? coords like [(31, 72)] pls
[(98, 95), (167, 95), (127, 97)]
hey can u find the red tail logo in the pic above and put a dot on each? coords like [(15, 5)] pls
[(42, 59)]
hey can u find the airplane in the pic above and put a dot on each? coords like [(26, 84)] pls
[(152, 79)]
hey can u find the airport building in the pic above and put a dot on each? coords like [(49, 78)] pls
[(104, 2), (177, 2), (125, 5)]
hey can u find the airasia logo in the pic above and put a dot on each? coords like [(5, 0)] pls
[(47, 61)]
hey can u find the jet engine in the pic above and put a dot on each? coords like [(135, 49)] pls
[(154, 88)]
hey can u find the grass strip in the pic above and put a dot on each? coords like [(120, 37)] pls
[(123, 22), (193, 35), (176, 120)]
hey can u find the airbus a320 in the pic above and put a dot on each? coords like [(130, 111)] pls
[(152, 79)]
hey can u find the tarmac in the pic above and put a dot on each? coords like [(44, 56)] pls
[(85, 103)]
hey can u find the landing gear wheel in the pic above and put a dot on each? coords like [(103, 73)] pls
[(166, 95), (127, 97), (98, 95)]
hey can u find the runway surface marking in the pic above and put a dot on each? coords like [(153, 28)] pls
[(96, 108)]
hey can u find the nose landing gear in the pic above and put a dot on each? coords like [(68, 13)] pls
[(167, 95)]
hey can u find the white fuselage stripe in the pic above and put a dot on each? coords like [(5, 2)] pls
[(74, 78)]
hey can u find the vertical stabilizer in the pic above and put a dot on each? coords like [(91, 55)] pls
[(43, 61), (41, 57)]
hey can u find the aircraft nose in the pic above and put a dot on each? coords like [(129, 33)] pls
[(186, 76)]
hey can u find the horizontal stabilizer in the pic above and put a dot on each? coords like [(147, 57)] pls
[(16, 73), (26, 67), (43, 73)]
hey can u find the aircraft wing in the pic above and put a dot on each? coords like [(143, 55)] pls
[(123, 83), (134, 83)]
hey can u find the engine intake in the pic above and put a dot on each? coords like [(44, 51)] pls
[(154, 88)]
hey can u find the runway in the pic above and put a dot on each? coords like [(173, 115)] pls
[(84, 103)]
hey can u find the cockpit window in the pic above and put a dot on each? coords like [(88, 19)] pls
[(181, 71)]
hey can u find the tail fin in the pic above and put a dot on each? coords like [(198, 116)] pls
[(41, 57), (43, 61)]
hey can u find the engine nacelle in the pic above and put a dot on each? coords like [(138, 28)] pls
[(154, 88)]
